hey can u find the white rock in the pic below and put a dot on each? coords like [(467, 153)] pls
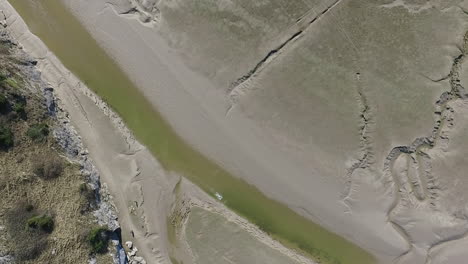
[(134, 251), (129, 244), (138, 259)]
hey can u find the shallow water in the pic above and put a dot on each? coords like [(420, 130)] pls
[(80, 53)]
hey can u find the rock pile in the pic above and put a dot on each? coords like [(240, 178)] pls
[(132, 254)]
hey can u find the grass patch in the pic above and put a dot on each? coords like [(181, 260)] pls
[(6, 137), (98, 239), (38, 132), (12, 83)]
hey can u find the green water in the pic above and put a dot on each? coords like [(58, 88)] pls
[(79, 52)]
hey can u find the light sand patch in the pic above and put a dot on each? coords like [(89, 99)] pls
[(215, 240)]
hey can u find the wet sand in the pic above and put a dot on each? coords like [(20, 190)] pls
[(123, 162)]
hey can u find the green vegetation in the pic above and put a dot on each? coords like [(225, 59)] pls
[(3, 72), (6, 137), (38, 132), (99, 72), (13, 102), (12, 83), (98, 239), (41, 222), (4, 105), (48, 167), (20, 109)]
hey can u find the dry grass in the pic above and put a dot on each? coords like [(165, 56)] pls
[(60, 196), (56, 192)]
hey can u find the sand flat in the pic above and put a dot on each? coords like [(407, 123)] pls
[(318, 120), (294, 130), (212, 240), (125, 163), (258, 137)]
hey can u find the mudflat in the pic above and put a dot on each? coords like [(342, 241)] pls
[(349, 113), (63, 33)]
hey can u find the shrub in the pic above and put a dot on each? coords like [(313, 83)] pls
[(41, 222), (27, 243), (29, 207), (4, 104), (6, 138), (87, 192), (38, 132), (88, 198), (98, 239), (20, 109), (83, 187), (48, 167), (3, 75)]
